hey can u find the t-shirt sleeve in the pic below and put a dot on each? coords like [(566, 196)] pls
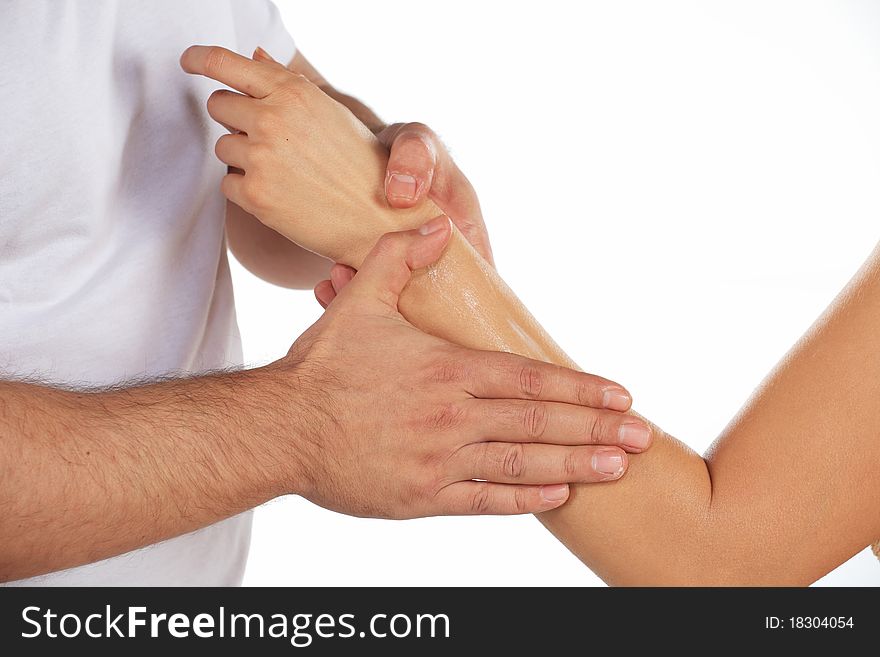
[(258, 23)]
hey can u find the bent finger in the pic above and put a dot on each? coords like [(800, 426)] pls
[(231, 187), (232, 150), (232, 110)]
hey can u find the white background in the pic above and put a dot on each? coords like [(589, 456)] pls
[(675, 189)]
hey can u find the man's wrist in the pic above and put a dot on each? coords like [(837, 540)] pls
[(287, 422)]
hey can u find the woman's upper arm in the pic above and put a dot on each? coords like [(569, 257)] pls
[(796, 476)]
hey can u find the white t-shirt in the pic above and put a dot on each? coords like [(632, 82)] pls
[(112, 253)]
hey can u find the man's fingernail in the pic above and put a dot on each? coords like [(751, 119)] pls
[(437, 223), (402, 185), (608, 462), (555, 492), (616, 399), (634, 435)]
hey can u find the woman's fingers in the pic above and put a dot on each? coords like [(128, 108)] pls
[(254, 78), (555, 423), (231, 187), (261, 55), (233, 111), (232, 150), (518, 463)]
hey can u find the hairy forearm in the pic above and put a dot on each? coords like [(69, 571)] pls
[(89, 475)]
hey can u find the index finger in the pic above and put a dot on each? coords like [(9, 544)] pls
[(498, 375), (256, 79)]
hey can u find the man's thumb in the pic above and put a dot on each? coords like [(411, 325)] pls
[(387, 268)]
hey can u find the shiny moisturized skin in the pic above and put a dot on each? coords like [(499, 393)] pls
[(787, 492), (462, 299)]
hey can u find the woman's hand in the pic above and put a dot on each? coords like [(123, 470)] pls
[(307, 164)]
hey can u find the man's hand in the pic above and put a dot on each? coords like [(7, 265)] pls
[(403, 424), (420, 166)]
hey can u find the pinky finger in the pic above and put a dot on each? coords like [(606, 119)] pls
[(325, 293), (467, 498)]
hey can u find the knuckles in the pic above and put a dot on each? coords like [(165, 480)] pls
[(535, 418), (390, 245), (513, 464), (253, 192), (596, 429), (445, 417), (585, 392), (571, 465), (531, 381), (215, 60), (293, 88), (449, 370), (520, 500), (480, 499), (266, 121), (417, 130), (260, 153)]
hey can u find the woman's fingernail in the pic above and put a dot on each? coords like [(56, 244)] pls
[(616, 399), (402, 185), (259, 53), (635, 435), (608, 462), (555, 492), (437, 223)]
